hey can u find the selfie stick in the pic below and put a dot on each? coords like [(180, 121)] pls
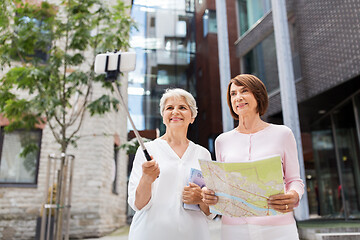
[(111, 75), (139, 139)]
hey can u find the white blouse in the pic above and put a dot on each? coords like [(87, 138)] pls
[(164, 217)]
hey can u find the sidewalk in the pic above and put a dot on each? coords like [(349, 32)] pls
[(314, 229), (308, 230), (122, 233)]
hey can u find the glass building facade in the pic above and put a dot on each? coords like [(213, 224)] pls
[(165, 46), (164, 42), (334, 178)]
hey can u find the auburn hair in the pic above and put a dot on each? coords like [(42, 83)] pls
[(255, 86)]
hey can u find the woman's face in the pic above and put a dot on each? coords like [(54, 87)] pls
[(243, 101), (177, 113)]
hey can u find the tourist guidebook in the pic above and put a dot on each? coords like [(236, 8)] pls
[(243, 188), (197, 178)]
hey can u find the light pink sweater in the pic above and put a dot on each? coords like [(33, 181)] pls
[(234, 146)]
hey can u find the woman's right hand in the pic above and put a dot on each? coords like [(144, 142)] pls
[(150, 170), (208, 197)]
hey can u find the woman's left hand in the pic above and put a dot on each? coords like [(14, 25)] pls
[(192, 194), (284, 202)]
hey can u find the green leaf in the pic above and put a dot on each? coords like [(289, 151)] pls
[(132, 145), (102, 105), (78, 78)]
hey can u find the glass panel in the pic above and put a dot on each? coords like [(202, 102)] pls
[(294, 50), (165, 48), (13, 167), (325, 179), (348, 149), (250, 11), (243, 20), (209, 22), (262, 62), (212, 22), (310, 173)]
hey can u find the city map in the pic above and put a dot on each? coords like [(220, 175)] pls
[(243, 188)]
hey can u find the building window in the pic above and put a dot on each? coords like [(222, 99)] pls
[(334, 178), (190, 6), (209, 22), (181, 28), (250, 11), (35, 36), (152, 22), (14, 167), (115, 171), (261, 61)]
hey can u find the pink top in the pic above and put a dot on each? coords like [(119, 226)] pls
[(234, 146)]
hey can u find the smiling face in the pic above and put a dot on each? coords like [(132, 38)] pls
[(252, 85), (242, 100), (177, 113)]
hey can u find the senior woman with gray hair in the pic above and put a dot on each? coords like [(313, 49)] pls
[(159, 188)]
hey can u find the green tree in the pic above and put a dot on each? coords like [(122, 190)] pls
[(46, 49), (48, 52)]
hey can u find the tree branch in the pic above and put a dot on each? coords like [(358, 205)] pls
[(83, 108)]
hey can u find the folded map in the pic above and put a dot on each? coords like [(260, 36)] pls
[(243, 188)]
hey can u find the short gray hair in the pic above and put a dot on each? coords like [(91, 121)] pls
[(179, 93)]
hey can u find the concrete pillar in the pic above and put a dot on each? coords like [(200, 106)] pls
[(224, 62), (288, 91)]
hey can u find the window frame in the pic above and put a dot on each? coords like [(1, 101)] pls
[(22, 185)]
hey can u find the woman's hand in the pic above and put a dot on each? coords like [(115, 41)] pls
[(150, 170), (192, 194), (284, 202), (208, 197)]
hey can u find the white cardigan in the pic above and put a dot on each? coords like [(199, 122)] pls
[(164, 217)]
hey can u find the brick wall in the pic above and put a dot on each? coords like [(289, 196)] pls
[(329, 49), (328, 45)]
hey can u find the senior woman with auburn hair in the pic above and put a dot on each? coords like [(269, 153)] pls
[(255, 139), (159, 188)]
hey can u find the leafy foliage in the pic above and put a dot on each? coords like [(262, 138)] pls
[(132, 145), (50, 50)]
